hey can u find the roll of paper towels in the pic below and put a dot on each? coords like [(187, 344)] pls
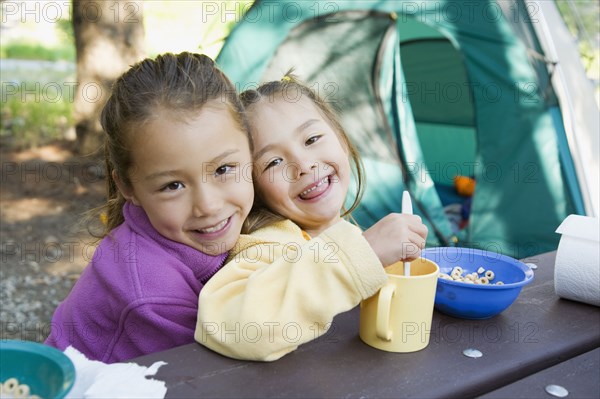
[(577, 268)]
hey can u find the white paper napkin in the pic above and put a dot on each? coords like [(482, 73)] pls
[(94, 379)]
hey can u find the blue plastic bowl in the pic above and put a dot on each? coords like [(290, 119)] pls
[(477, 301), (48, 372)]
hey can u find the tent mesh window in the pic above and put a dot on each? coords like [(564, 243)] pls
[(308, 50)]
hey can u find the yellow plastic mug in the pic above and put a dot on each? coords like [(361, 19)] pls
[(398, 317)]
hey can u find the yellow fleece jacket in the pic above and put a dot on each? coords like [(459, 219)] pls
[(279, 290)]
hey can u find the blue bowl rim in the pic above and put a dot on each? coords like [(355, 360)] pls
[(495, 255), (62, 360)]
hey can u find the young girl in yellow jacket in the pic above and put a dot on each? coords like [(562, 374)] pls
[(301, 263)]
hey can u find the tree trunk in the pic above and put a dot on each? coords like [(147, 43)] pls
[(109, 37)]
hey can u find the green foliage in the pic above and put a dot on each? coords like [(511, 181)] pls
[(33, 117), (190, 25), (65, 27), (582, 19), (580, 15), (218, 28), (35, 51)]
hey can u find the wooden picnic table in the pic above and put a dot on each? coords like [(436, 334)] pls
[(530, 345)]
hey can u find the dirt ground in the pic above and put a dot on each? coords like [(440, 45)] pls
[(45, 241)]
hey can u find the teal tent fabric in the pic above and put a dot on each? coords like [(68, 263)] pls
[(427, 91)]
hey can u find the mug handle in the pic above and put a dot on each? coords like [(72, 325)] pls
[(384, 302)]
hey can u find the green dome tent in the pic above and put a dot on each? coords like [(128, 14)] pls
[(433, 89)]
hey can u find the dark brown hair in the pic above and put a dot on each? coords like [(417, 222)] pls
[(178, 83), (261, 215)]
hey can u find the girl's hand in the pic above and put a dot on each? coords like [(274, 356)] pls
[(397, 237)]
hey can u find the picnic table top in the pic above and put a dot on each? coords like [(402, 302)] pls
[(533, 340)]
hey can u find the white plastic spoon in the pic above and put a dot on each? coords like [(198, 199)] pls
[(406, 209)]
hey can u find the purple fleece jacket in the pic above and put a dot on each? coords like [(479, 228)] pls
[(138, 295)]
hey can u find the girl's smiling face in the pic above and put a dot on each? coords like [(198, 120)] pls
[(302, 170), (193, 177)]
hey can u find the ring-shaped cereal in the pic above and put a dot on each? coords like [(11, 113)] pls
[(10, 385), (13, 389), (22, 391)]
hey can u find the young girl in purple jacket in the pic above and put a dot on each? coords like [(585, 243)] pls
[(178, 158)]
